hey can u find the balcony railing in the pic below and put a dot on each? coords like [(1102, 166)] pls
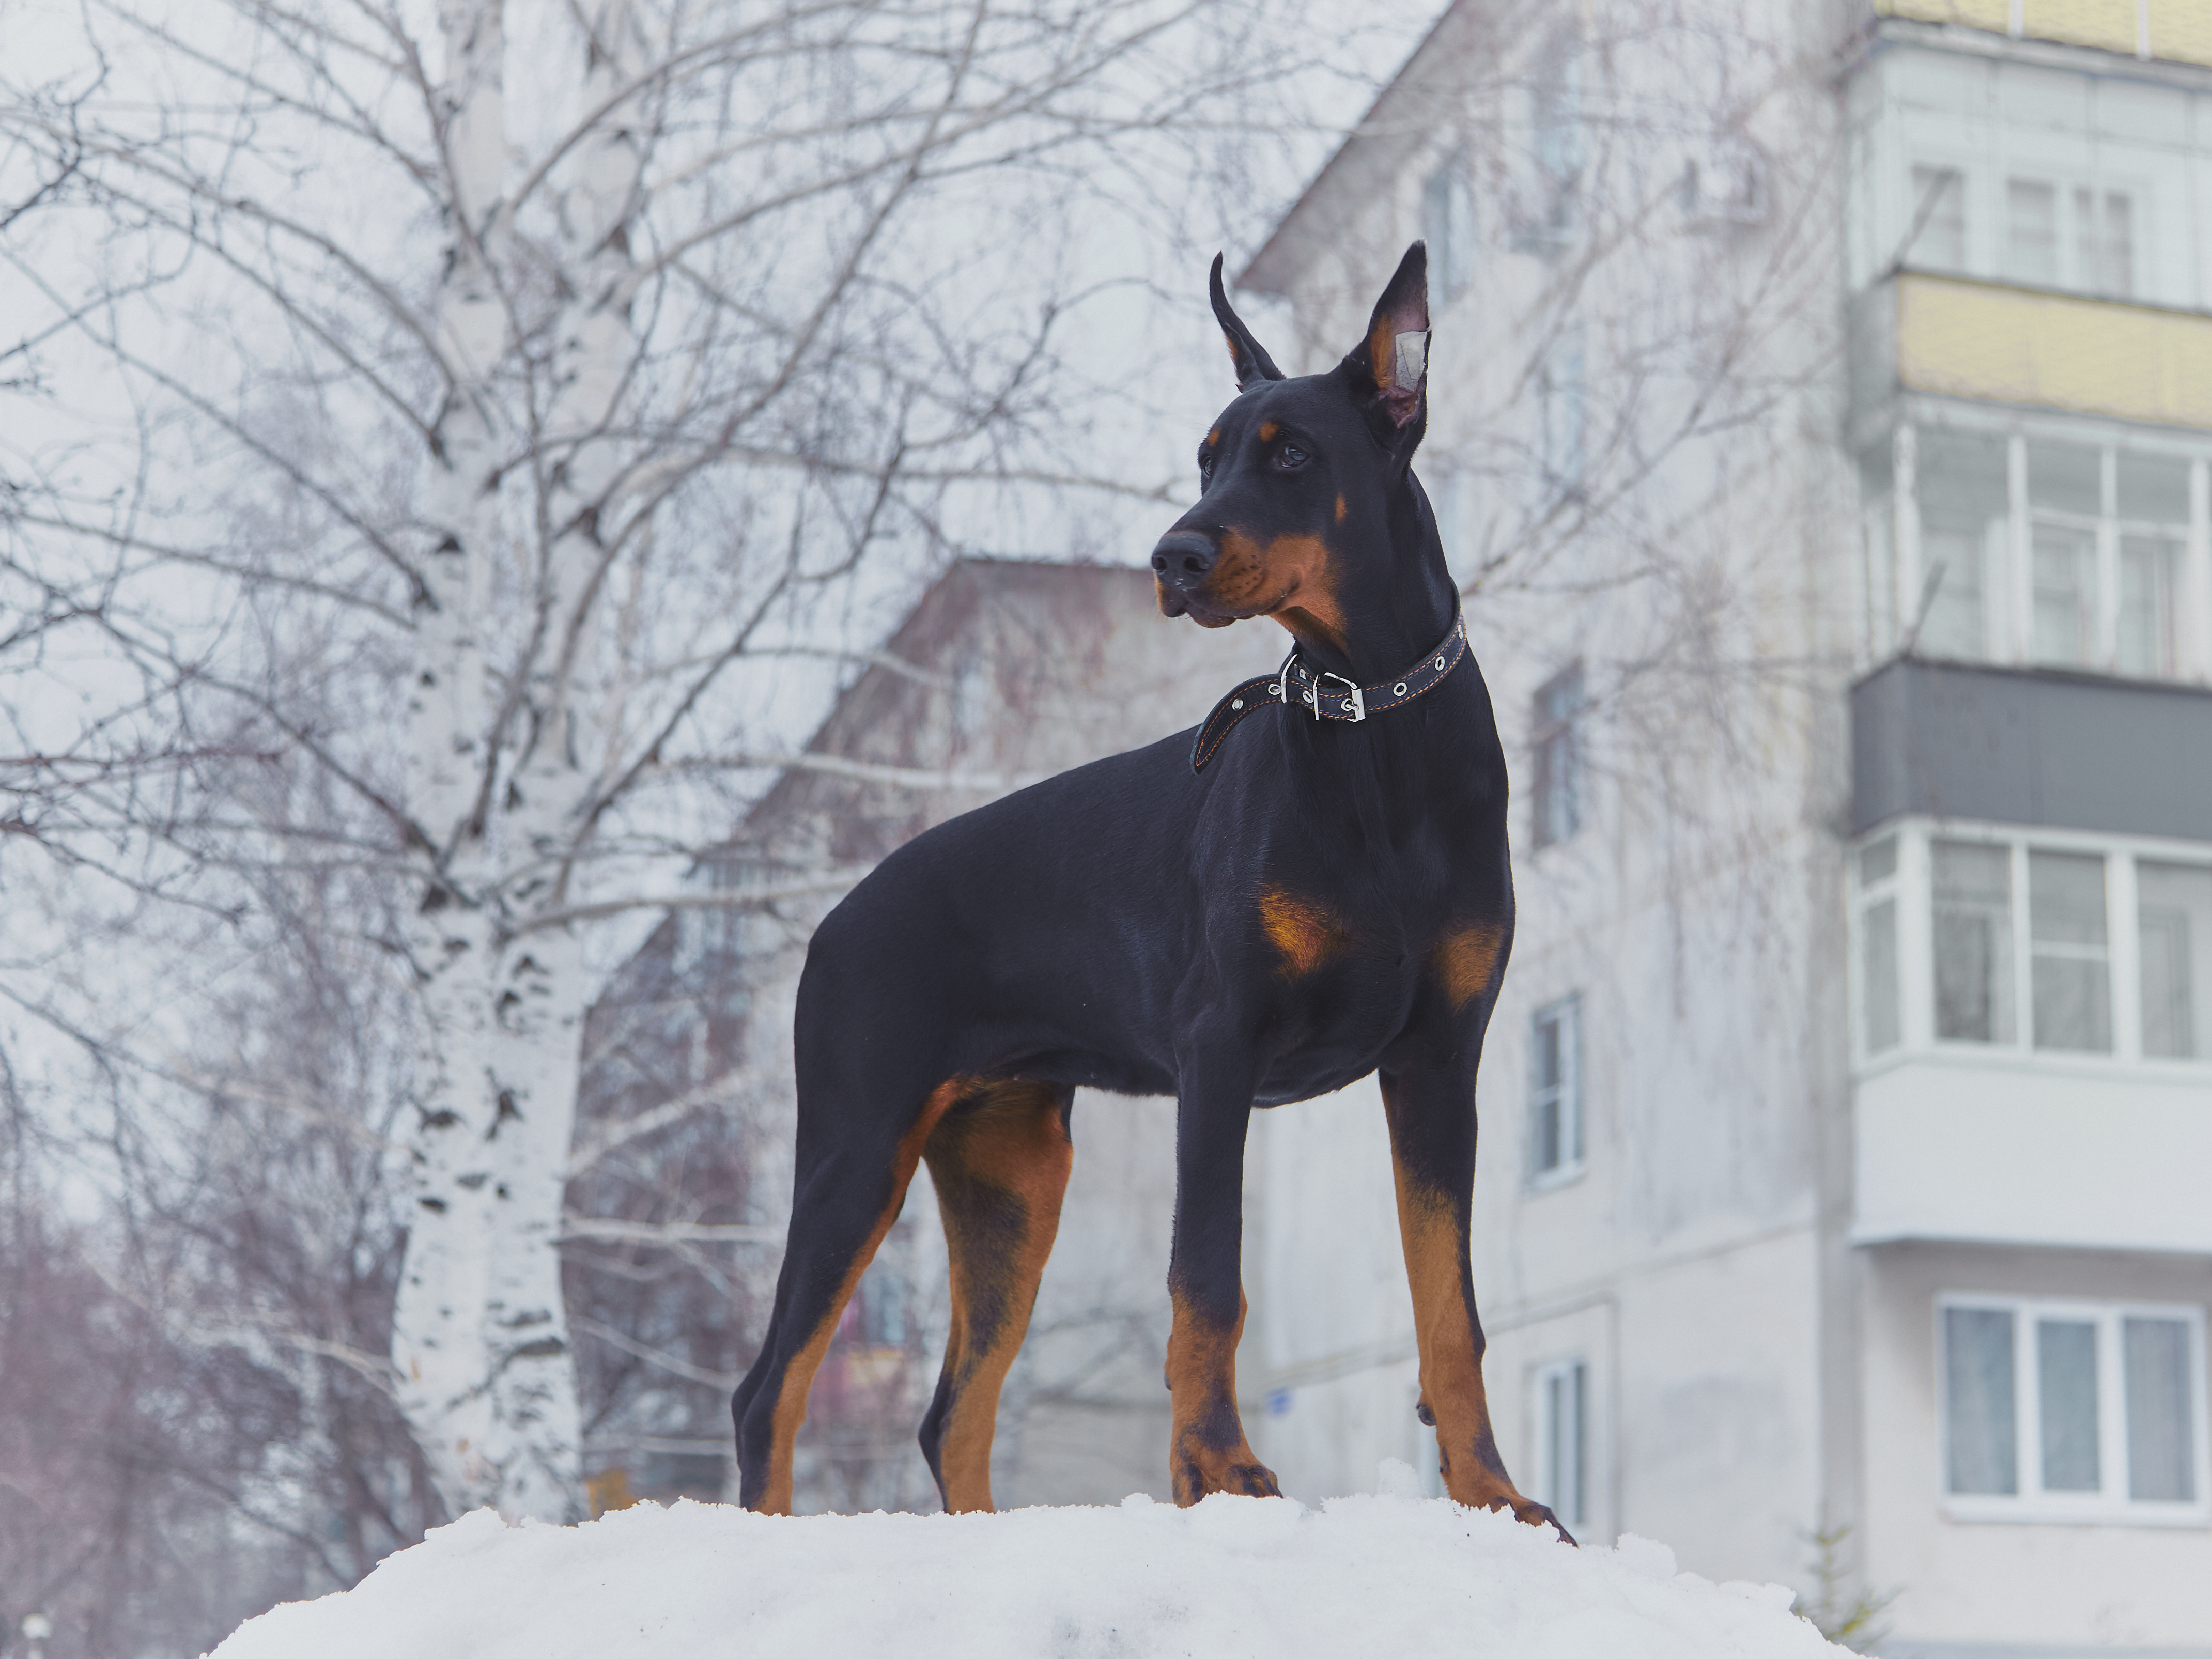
[(1960, 337)]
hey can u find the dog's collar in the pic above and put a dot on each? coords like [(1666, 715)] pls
[(1326, 696)]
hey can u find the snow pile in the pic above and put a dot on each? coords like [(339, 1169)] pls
[(1233, 1576)]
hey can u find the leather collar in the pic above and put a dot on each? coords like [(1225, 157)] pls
[(1326, 696)]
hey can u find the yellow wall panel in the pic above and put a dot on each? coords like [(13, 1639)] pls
[(2108, 24), (2181, 30), (1975, 13), (1967, 339)]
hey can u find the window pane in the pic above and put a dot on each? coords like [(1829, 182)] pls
[(1973, 942), (1878, 862), (1882, 1012), (2154, 488), (2116, 272), (1558, 755), (2072, 989), (1546, 1148), (1573, 1488), (1448, 223), (1961, 494), (2149, 567), (2030, 232), (1977, 1371), (2066, 1376), (2161, 1441), (2065, 594), (2066, 477), (1955, 624), (1939, 208), (2173, 919)]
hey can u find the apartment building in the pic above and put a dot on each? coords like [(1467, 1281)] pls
[(1847, 1119)]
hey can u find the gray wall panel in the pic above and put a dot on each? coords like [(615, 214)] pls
[(2030, 746)]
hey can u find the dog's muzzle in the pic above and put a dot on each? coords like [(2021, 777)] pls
[(1184, 559)]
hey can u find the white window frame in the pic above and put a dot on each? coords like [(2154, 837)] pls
[(1567, 1011), (1559, 1482), (1913, 887), (2111, 1505), (1896, 567), (1891, 890)]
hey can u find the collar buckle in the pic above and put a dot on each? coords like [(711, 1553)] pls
[(1355, 704)]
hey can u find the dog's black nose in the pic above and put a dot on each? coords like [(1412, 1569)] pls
[(1184, 557)]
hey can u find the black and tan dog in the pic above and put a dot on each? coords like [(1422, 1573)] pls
[(1311, 887)]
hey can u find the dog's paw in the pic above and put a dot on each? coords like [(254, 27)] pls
[(1530, 1513), (1201, 1472)]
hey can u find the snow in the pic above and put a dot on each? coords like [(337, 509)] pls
[(1232, 1576)]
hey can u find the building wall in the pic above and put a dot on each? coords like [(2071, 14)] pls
[(2017, 1587), (1693, 912)]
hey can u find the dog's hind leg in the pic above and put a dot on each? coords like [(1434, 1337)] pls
[(849, 1190), (1433, 1123), (999, 1160)]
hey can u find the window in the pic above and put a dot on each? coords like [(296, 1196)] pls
[(1557, 97), (2094, 579), (2081, 237), (2173, 932), (1555, 1103), (1880, 1003), (2065, 495), (1559, 407), (1558, 747), (2071, 971), (1448, 224), (2151, 495), (2072, 1410), (2024, 942), (1972, 916), (1938, 240), (2104, 239), (2031, 232), (1962, 500), (1562, 1390)]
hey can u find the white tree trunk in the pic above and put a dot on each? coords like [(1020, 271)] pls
[(455, 1332), (482, 1335), (541, 986)]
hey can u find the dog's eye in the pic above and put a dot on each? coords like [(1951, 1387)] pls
[(1289, 455), (1204, 467)]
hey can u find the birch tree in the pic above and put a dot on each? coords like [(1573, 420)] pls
[(451, 441)]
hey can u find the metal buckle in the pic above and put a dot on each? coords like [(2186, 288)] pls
[(1352, 699)]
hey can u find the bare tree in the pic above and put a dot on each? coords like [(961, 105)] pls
[(460, 461)]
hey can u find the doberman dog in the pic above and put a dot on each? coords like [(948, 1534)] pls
[(1312, 886)]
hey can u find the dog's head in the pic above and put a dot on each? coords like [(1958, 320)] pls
[(1305, 483)]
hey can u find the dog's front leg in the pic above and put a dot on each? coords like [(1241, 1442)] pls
[(1204, 1282), (1432, 1114)]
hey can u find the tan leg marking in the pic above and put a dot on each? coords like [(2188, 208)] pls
[(1000, 1169), (1209, 1452), (799, 1375), (1433, 1230)]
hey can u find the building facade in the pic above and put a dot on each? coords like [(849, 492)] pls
[(1818, 426)]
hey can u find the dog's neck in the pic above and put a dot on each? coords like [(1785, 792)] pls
[(1386, 630)]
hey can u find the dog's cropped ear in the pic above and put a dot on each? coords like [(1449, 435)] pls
[(1391, 365), (1250, 358)]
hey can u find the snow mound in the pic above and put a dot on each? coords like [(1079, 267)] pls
[(1232, 1576)]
